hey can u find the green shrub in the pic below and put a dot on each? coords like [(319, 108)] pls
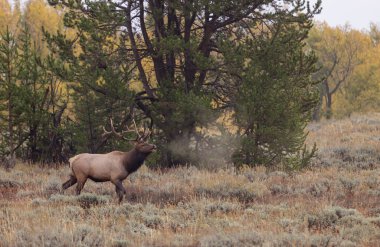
[(121, 243), (62, 198), (322, 220), (349, 184), (73, 212), (42, 237), (223, 207), (375, 221), (138, 228), (87, 200), (290, 240), (231, 240), (25, 193), (359, 233), (9, 184), (279, 189), (39, 201), (85, 235), (343, 212), (246, 193), (52, 186), (320, 188), (152, 221)]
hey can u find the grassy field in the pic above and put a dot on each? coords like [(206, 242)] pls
[(334, 203)]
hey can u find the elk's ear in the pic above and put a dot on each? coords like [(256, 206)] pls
[(135, 142), (140, 140)]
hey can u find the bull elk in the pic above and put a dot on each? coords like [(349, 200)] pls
[(114, 166)]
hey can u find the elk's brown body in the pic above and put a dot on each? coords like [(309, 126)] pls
[(114, 166)]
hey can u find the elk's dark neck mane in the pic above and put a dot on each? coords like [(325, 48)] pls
[(133, 160)]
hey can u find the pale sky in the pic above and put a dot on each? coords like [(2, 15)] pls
[(359, 14)]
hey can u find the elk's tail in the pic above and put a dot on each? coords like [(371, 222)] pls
[(71, 161)]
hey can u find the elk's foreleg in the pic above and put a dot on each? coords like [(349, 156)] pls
[(80, 185), (120, 190)]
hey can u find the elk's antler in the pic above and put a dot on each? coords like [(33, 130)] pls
[(146, 133), (120, 134)]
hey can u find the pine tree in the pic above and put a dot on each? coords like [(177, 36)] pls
[(176, 50), (101, 87), (33, 93), (275, 95), (8, 89), (32, 102)]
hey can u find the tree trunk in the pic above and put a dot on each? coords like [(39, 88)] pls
[(10, 128), (328, 99), (33, 153), (317, 111), (11, 143), (177, 147), (328, 105)]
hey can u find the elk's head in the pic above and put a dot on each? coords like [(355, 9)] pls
[(144, 147), (140, 141)]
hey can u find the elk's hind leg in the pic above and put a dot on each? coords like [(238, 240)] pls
[(69, 183)]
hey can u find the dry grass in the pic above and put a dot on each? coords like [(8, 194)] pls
[(335, 203)]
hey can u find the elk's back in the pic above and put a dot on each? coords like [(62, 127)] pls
[(98, 167)]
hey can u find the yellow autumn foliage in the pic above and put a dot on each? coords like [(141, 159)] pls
[(360, 91), (5, 15), (39, 14)]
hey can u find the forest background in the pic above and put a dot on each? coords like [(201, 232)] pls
[(68, 67)]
